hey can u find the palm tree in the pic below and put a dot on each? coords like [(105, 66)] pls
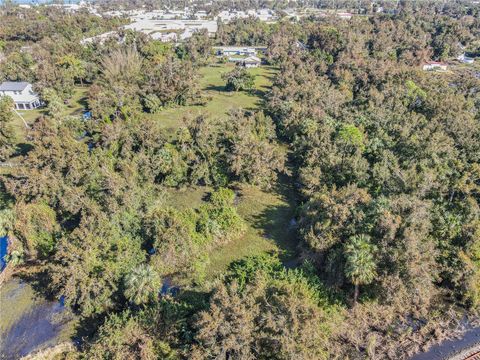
[(142, 284), (360, 266)]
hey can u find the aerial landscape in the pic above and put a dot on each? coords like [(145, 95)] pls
[(241, 179)]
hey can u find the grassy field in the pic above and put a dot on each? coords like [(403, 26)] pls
[(22, 296), (220, 101), (268, 214)]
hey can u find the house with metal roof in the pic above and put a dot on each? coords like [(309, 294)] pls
[(22, 94), (251, 61)]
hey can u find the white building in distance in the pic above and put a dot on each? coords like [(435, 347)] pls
[(185, 27), (435, 65), (182, 22), (165, 37), (22, 94), (251, 62), (261, 14), (234, 50), (100, 39)]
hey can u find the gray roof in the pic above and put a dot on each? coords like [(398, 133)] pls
[(13, 85), (252, 60)]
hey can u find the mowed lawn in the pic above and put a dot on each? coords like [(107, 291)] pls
[(219, 102)]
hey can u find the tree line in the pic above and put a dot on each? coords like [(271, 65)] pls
[(383, 157)]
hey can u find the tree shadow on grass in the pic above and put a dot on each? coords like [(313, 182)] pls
[(222, 89), (83, 101), (277, 222), (39, 281), (219, 88), (23, 148), (42, 320), (46, 319), (274, 223), (270, 75), (86, 329)]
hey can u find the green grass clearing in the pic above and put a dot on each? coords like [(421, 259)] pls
[(187, 198), (220, 101), (20, 297), (267, 214)]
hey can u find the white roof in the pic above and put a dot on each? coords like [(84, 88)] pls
[(164, 36), (100, 38), (235, 48), (252, 59), (262, 14)]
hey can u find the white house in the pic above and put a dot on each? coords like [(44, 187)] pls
[(22, 94), (345, 15), (251, 62), (465, 59), (261, 14), (301, 46), (201, 14), (434, 65), (235, 50)]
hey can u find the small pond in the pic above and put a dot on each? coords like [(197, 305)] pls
[(3, 251), (29, 323), (448, 348)]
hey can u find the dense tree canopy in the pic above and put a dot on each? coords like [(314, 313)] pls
[(382, 160)]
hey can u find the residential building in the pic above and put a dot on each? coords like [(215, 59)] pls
[(465, 59), (100, 39), (251, 62), (435, 65), (234, 50), (344, 15), (188, 27), (22, 94), (261, 14), (301, 46)]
